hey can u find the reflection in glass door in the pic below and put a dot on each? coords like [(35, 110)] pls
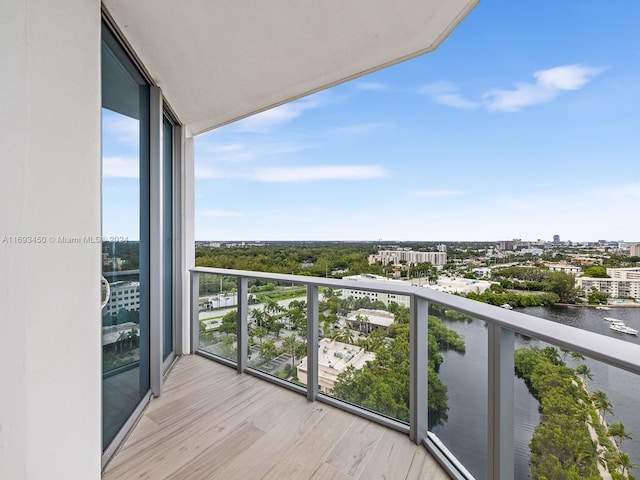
[(125, 230)]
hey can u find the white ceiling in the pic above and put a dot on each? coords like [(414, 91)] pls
[(221, 60)]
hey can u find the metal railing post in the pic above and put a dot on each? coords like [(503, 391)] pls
[(242, 334), (312, 342), (500, 429), (195, 311), (418, 375)]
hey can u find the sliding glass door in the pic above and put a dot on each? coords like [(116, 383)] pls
[(125, 242)]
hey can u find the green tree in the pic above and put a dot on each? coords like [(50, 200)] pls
[(623, 460), (618, 431), (590, 454), (596, 297), (596, 271), (290, 345), (268, 350), (230, 322), (258, 315), (564, 285), (584, 372), (382, 384), (297, 313), (260, 333), (346, 336), (602, 403)]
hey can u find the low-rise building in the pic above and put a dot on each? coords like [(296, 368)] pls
[(564, 267), (461, 285), (384, 297), (365, 320), (333, 359)]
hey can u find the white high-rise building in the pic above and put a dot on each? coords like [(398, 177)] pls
[(409, 257)]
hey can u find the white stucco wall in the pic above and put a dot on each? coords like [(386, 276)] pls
[(50, 352)]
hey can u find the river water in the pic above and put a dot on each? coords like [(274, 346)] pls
[(464, 432)]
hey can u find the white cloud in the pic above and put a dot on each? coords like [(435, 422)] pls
[(265, 121), (437, 193), (202, 172), (292, 174), (226, 148), (549, 84), (235, 153), (220, 213), (121, 128), (123, 167), (567, 77), (320, 172), (447, 94)]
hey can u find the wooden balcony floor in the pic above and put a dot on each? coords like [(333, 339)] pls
[(211, 423)]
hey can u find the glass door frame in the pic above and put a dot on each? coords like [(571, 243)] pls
[(176, 238), (159, 366)]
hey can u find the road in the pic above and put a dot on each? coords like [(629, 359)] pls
[(223, 311)]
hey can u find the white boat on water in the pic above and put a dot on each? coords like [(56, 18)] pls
[(621, 327), (613, 320), (603, 308)]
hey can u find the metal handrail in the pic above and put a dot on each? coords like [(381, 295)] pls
[(615, 352), (502, 326)]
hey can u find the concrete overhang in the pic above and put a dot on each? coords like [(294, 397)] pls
[(218, 61)]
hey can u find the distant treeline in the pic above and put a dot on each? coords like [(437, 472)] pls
[(319, 260)]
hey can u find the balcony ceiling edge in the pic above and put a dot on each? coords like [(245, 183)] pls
[(219, 61)]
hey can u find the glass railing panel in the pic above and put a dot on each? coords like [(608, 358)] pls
[(363, 355), (526, 417), (218, 315), (277, 329), (457, 381), (582, 419)]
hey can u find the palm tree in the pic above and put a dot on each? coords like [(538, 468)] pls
[(624, 462), (583, 414), (122, 337), (346, 336), (576, 357), (617, 430), (602, 403), (273, 307), (585, 372), (589, 455), (258, 316), (290, 345)]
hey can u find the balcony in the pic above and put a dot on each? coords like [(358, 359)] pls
[(213, 423)]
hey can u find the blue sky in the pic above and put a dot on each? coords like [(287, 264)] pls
[(524, 123)]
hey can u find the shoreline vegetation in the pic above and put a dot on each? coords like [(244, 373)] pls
[(382, 384), (573, 440)]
